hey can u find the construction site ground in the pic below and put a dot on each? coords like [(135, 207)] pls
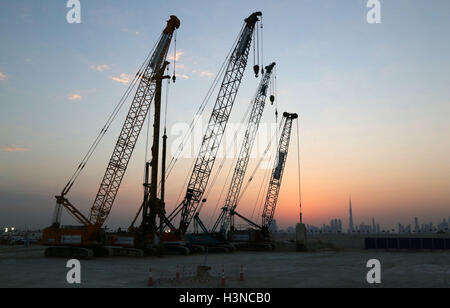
[(320, 267)]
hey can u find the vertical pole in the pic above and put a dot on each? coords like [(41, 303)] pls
[(151, 210)]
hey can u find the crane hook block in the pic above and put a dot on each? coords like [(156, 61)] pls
[(262, 71), (256, 70), (174, 78), (272, 99)]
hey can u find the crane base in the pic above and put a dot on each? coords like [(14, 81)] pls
[(126, 252), (252, 246), (69, 252)]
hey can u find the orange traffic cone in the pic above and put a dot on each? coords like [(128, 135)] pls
[(150, 279)]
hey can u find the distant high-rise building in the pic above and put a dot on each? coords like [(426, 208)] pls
[(274, 226), (416, 225), (374, 227), (350, 223)]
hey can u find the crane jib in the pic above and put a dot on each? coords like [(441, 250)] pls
[(131, 129), (277, 174), (159, 50)]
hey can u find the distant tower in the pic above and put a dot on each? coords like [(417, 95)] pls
[(350, 223), (416, 225), (374, 227)]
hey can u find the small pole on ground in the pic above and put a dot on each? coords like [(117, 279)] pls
[(241, 275), (223, 277), (206, 256)]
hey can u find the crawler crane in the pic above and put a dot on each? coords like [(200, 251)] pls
[(89, 237)]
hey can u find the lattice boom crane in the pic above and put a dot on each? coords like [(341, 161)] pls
[(257, 110), (216, 127), (277, 172), (123, 150)]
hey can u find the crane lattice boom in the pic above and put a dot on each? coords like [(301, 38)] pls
[(132, 127), (278, 170), (258, 105)]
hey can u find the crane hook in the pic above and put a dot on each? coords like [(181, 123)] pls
[(256, 70), (272, 99)]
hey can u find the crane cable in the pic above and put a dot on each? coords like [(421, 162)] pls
[(299, 172), (188, 134), (194, 122), (258, 165), (262, 192), (244, 120), (208, 191), (200, 111), (175, 57), (262, 48), (107, 125), (275, 90), (229, 172)]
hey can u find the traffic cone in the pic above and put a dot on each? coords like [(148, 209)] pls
[(241, 274), (178, 273), (223, 278), (150, 279)]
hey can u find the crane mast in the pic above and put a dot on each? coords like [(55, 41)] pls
[(259, 102), (134, 121), (216, 127), (277, 172)]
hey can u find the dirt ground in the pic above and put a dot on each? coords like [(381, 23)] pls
[(21, 267)]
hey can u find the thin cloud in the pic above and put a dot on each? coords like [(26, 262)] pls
[(122, 78), (101, 67), (182, 76), (131, 31), (74, 97), (177, 56), (203, 73), (13, 148), (206, 74), (2, 76)]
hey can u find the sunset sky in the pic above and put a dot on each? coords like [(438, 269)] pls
[(373, 100)]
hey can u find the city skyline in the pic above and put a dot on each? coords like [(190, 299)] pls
[(420, 226)]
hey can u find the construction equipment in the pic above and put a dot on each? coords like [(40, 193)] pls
[(259, 235), (231, 201), (217, 237), (212, 139), (90, 238), (147, 234)]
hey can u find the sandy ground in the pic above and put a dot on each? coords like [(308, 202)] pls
[(28, 268)]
